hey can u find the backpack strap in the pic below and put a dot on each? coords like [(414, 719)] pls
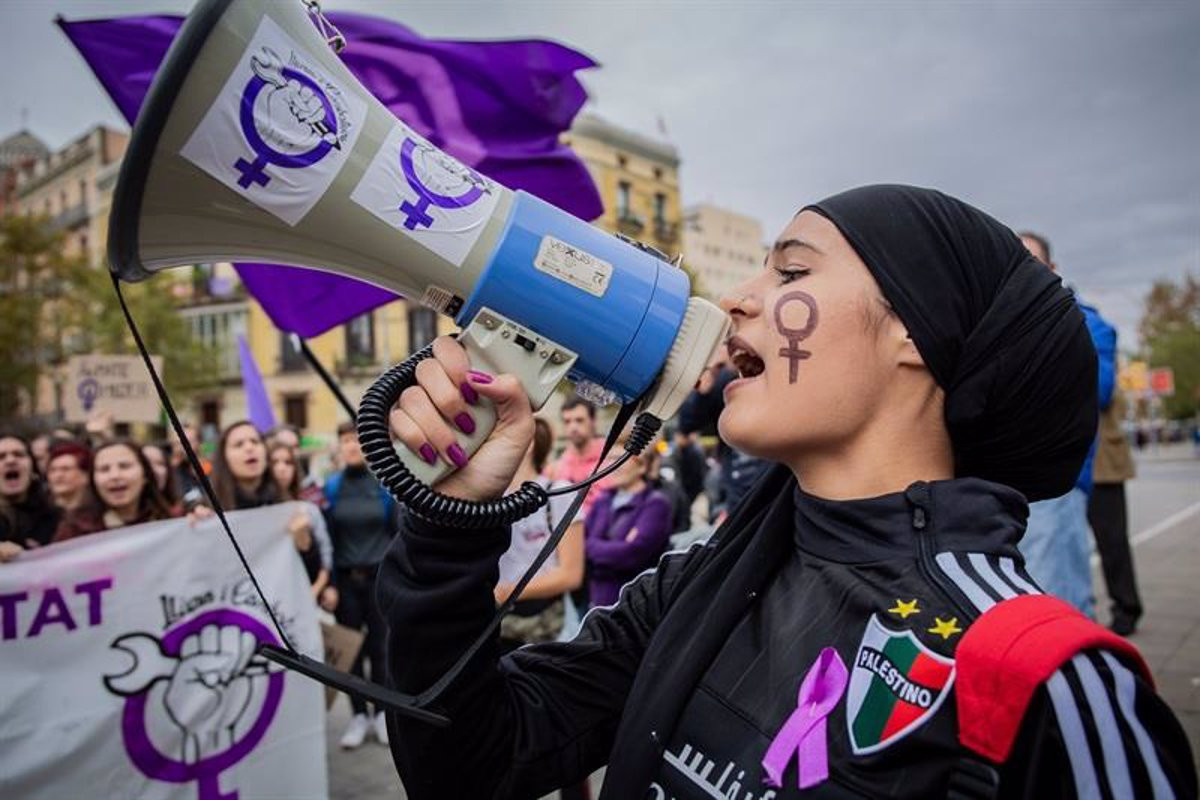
[(333, 487), (1011, 650)]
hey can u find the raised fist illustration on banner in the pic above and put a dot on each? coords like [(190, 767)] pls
[(211, 684)]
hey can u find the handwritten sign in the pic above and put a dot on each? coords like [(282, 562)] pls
[(119, 385)]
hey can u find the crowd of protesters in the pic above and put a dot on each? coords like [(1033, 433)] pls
[(70, 483)]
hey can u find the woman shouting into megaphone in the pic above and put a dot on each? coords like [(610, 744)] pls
[(862, 624)]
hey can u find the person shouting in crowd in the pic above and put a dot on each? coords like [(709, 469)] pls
[(123, 492), (28, 517), (362, 520), (159, 456), (285, 473), (68, 474), (241, 479), (862, 624), (539, 614), (627, 529)]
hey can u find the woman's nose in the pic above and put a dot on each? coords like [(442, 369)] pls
[(740, 300)]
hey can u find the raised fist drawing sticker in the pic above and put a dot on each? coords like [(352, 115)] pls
[(198, 700)]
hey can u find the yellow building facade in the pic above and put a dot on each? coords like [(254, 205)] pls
[(638, 179)]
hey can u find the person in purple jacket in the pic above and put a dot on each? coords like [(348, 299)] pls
[(626, 531)]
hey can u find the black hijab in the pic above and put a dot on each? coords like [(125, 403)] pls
[(999, 332)]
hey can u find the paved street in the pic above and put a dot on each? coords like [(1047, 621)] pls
[(1164, 508)]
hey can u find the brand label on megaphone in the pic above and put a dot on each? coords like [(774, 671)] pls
[(280, 129), (429, 195)]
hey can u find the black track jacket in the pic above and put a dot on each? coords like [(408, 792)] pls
[(680, 687)]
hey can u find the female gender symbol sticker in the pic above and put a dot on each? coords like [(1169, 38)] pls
[(441, 170), (211, 677), (298, 123), (795, 336)]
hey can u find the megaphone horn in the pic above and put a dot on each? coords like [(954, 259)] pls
[(256, 143)]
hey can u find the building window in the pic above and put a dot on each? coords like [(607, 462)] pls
[(219, 328), (658, 173), (622, 161), (295, 410), (210, 419), (82, 191), (623, 191), (360, 340), (291, 359), (422, 327), (660, 208)]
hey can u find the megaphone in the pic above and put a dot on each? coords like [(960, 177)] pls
[(255, 143)]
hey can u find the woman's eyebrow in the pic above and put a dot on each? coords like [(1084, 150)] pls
[(785, 244)]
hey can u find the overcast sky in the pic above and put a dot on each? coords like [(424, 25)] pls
[(1078, 119)]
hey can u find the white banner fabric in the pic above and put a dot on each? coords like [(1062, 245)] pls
[(129, 667)]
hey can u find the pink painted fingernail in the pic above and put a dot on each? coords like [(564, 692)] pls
[(476, 376), (428, 453), (469, 394), (457, 456), (465, 423)]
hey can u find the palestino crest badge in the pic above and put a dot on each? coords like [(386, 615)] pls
[(896, 685)]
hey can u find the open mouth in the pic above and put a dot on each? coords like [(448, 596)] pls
[(744, 359), (12, 475)]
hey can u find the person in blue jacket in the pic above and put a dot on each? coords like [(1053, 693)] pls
[(1057, 540)]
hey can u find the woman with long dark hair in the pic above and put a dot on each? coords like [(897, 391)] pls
[(159, 456), (123, 492), (287, 476), (241, 478), (28, 516), (862, 624)]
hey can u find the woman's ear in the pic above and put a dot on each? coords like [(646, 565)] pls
[(909, 355), (905, 348)]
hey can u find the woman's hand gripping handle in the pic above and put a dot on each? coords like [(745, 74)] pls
[(462, 430)]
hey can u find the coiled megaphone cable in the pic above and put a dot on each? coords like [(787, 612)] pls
[(381, 458)]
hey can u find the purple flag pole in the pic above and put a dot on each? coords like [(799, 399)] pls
[(497, 106), (258, 405)]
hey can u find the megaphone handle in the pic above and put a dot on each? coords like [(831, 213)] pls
[(483, 414), (494, 344)]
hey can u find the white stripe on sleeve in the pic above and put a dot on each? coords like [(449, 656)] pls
[(1070, 724), (949, 565), (1116, 766), (981, 564), (1126, 695), (1009, 568)]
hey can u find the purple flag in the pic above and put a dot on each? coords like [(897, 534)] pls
[(496, 106), (258, 405)]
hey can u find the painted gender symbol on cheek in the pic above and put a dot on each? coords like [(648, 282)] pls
[(795, 336)]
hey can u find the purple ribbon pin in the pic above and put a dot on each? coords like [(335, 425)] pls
[(804, 731)]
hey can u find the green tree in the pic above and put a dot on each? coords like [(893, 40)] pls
[(53, 306), (1170, 330)]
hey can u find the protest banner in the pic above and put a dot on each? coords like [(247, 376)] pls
[(130, 667), (119, 385)]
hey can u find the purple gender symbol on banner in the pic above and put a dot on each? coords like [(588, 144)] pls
[(207, 771), (416, 214), (795, 335), (804, 732), (88, 389), (252, 172)]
